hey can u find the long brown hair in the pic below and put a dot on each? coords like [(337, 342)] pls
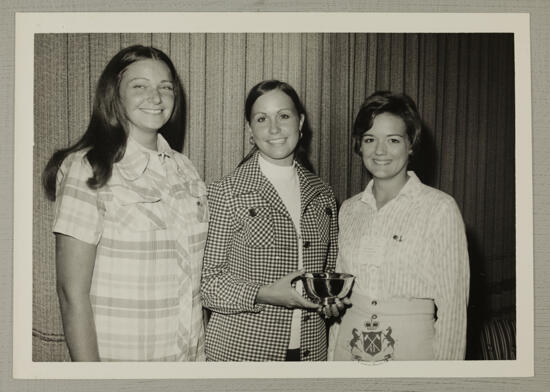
[(105, 138)]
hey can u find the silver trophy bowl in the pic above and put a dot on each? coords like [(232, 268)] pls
[(325, 287)]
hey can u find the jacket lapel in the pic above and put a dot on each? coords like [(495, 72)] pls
[(310, 187), (248, 178)]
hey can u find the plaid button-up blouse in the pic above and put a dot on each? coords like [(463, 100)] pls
[(149, 223)]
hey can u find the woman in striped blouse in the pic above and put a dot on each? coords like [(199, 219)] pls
[(406, 244)]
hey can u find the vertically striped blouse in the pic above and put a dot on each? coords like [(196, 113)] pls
[(413, 247)]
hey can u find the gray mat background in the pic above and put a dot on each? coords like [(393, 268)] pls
[(540, 61)]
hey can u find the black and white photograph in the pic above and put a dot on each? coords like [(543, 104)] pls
[(229, 196)]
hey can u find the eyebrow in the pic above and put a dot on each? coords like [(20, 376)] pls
[(391, 134), (261, 112), (145, 78)]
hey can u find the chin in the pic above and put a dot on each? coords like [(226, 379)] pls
[(277, 153), (153, 127)]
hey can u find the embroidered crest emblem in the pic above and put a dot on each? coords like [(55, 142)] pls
[(372, 341)]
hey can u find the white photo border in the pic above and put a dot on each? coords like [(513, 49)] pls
[(29, 24)]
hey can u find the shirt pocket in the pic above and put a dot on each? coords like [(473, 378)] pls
[(323, 214), (257, 226), (197, 191), (367, 257), (404, 250), (136, 211)]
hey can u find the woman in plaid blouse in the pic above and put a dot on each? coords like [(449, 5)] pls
[(271, 219), (131, 221)]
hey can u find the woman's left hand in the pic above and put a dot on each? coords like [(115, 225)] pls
[(336, 309)]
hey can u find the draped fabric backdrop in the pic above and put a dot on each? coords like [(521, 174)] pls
[(463, 85)]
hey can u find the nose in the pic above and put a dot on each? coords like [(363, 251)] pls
[(380, 148), (154, 96), (274, 126)]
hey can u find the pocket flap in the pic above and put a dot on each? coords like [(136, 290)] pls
[(126, 196), (253, 212), (197, 188)]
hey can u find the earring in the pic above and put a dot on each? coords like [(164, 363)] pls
[(251, 140)]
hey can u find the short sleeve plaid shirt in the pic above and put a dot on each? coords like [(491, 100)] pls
[(149, 223)]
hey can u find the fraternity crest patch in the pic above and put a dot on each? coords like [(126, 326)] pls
[(372, 344)]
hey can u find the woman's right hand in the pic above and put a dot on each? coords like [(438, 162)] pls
[(281, 293), (335, 310)]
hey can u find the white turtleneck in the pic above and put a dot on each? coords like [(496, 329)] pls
[(287, 184)]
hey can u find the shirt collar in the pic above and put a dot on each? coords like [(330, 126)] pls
[(163, 148), (136, 157), (411, 187), (275, 172), (248, 177)]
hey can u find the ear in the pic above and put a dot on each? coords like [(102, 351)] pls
[(410, 146), (248, 129), (302, 119)]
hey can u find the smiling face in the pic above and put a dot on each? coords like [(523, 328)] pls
[(147, 96), (275, 126), (385, 148)]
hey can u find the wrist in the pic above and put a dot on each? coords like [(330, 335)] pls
[(262, 296)]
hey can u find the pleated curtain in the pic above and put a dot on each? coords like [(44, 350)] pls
[(463, 85)]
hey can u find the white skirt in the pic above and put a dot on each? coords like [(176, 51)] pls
[(397, 329)]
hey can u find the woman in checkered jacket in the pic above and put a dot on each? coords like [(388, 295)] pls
[(271, 220)]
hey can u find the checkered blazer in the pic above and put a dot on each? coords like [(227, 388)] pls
[(253, 242)]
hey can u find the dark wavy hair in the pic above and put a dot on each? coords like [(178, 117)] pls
[(269, 85), (105, 138), (400, 105)]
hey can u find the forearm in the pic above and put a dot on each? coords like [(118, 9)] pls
[(224, 293), (450, 335), (270, 294), (79, 327), (264, 295), (450, 327), (282, 293), (451, 256)]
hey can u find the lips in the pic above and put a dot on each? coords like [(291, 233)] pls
[(151, 111), (277, 141), (382, 162)]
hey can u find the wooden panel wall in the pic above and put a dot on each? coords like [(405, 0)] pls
[(463, 85)]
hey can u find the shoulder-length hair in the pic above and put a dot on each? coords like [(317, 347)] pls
[(269, 85), (400, 105), (105, 137)]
